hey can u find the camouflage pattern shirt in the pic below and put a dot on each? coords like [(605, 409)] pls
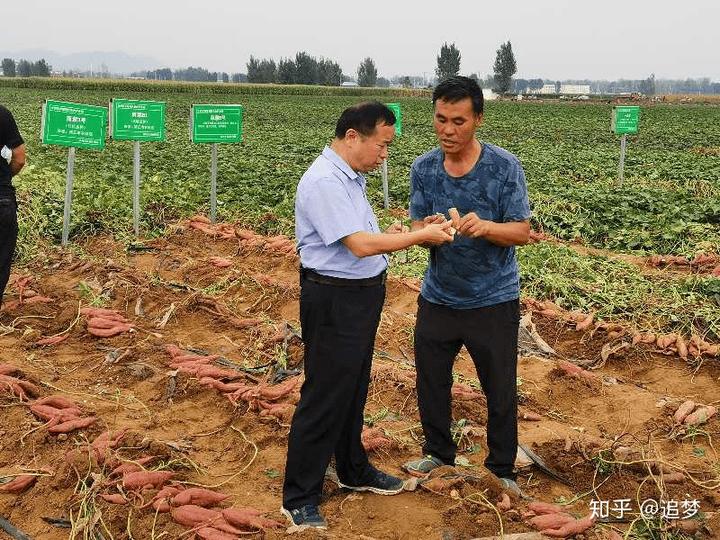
[(471, 272)]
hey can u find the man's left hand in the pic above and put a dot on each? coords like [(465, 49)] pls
[(474, 227), (396, 228)]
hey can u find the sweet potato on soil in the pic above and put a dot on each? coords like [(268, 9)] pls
[(572, 527), (197, 358), (282, 411), (118, 329), (374, 438), (114, 498), (220, 262), (198, 496), (221, 386), (133, 466), (103, 313), (38, 300), (504, 503), (15, 387), (211, 533), (540, 508), (104, 442), (683, 410), (102, 323), (59, 402), (72, 425), (192, 515), (673, 478), (442, 485), (279, 390), (199, 218), (141, 479), (216, 372), (700, 416), (585, 323), (249, 518), (18, 484), (575, 371), (551, 521), (161, 500), (53, 340), (7, 369), (48, 412), (463, 392)]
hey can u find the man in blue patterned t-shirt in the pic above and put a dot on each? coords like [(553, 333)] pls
[(470, 294)]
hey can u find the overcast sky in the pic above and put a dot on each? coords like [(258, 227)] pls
[(553, 39)]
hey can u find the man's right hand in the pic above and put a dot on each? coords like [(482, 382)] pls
[(434, 218), (437, 232)]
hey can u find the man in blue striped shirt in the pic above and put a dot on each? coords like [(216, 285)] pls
[(342, 278)]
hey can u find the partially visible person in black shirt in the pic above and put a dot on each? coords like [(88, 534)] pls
[(12, 160)]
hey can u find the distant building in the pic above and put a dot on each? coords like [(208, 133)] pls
[(488, 94), (348, 83), (548, 88), (574, 89)]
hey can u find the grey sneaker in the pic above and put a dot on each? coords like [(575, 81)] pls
[(422, 466), (511, 486), (380, 483), (305, 517)]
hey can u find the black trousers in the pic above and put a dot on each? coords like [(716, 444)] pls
[(339, 324), (8, 239), (490, 335)]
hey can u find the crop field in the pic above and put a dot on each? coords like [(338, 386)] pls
[(622, 282)]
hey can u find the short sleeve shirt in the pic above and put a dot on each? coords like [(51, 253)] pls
[(330, 204), (10, 137), (471, 272)]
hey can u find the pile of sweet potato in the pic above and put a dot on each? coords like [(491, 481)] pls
[(261, 397), (279, 244), (13, 386), (668, 344), (551, 520), (26, 296), (61, 414), (691, 414), (105, 323)]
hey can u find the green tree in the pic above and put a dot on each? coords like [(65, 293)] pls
[(286, 71), (647, 86), (8, 67), (40, 68), (24, 68), (505, 67), (329, 73), (367, 72), (448, 62), (306, 68)]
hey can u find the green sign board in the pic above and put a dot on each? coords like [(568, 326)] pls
[(132, 120), (625, 119), (216, 123), (74, 124), (395, 108)]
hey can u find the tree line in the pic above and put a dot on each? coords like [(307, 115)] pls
[(25, 68)]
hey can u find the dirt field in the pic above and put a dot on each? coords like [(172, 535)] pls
[(609, 432)]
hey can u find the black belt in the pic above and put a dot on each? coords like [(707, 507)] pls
[(313, 276)]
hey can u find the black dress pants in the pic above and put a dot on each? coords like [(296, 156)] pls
[(8, 239), (490, 335), (339, 324)]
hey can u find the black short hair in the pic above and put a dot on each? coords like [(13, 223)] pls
[(364, 118), (455, 88)]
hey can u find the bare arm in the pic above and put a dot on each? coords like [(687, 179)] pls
[(365, 244), (513, 233), (17, 161)]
